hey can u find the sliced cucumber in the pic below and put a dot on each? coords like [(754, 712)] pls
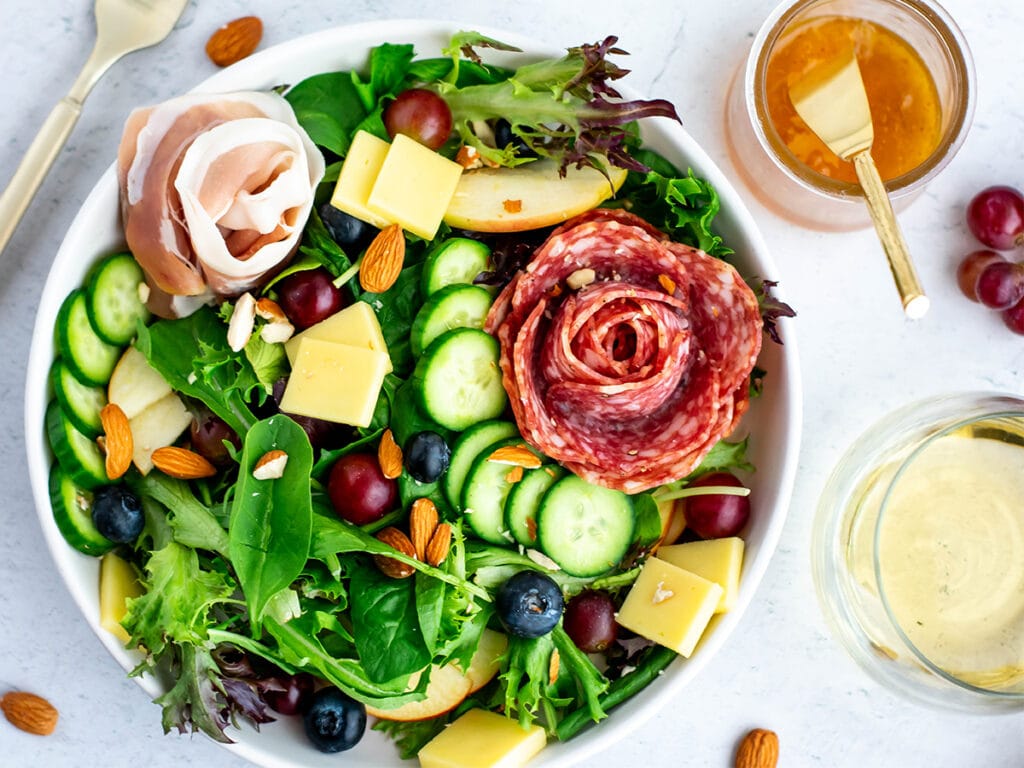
[(583, 527), (79, 456), (72, 511), (455, 306), (89, 357), (471, 444), (79, 402), (456, 260), (524, 499), (114, 304), (487, 486), (459, 380)]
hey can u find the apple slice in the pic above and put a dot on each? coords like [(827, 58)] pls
[(528, 196), (156, 426), (673, 522), (487, 660), (135, 385)]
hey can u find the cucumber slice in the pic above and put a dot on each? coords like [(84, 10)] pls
[(471, 444), (79, 456), (456, 260), (89, 357), (454, 306), (583, 527), (458, 379), (114, 304), (524, 499), (80, 403), (72, 511), (483, 496)]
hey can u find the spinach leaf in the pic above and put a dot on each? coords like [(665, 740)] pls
[(321, 248), (271, 520), (648, 521), (329, 107), (429, 609), (396, 308)]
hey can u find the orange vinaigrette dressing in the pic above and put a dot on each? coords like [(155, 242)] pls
[(905, 107)]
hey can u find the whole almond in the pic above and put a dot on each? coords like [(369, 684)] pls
[(516, 455), (382, 262), (182, 463), (29, 712), (398, 541), (117, 440), (759, 749), (235, 40), (389, 456), (440, 543), (422, 524)]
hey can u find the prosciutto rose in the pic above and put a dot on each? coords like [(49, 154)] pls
[(215, 191), (625, 356)]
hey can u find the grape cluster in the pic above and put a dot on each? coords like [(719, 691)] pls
[(996, 217)]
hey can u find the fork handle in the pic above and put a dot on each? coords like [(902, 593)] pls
[(34, 166)]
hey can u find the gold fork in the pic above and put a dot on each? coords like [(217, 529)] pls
[(122, 26)]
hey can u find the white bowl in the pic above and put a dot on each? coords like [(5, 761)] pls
[(774, 420)]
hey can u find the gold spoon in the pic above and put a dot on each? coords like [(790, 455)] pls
[(832, 101), (122, 26)]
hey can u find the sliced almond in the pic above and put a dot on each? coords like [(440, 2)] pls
[(422, 524), (29, 712), (553, 665), (243, 318), (235, 40), (398, 541), (389, 456), (117, 440), (514, 475), (182, 463), (382, 263), (515, 455), (270, 466), (667, 283), (440, 544), (512, 206), (270, 310), (581, 278), (277, 333), (469, 158)]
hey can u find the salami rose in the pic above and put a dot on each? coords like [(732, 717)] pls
[(625, 356)]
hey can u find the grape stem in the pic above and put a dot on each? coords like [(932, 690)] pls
[(348, 274), (704, 490)]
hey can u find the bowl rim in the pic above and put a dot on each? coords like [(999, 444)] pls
[(314, 53)]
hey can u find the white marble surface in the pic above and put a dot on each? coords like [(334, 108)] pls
[(860, 358)]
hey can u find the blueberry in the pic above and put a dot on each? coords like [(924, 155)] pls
[(503, 136), (352, 234), (529, 604), (334, 720), (117, 514), (427, 456)]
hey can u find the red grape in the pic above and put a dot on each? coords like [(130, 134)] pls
[(421, 115), (971, 267), (716, 515), (1014, 317), (589, 620), (208, 433), (1001, 285), (358, 489), (309, 296), (996, 217), (298, 690)]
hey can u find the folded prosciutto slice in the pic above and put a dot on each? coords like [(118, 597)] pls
[(626, 356), (215, 191)]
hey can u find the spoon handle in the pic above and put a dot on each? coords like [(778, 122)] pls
[(915, 302)]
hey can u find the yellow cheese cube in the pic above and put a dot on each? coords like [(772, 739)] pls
[(670, 606), (717, 560), (355, 325), (414, 187), (482, 739), (335, 382), (118, 582), (358, 173)]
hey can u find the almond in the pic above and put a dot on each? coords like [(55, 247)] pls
[(468, 157), (667, 283), (514, 475), (516, 455), (759, 749), (440, 543), (182, 463), (117, 440), (29, 712), (270, 466), (398, 541), (512, 206), (382, 262), (581, 278), (389, 456), (235, 40), (243, 318), (553, 664), (422, 524)]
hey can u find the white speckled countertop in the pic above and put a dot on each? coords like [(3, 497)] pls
[(860, 358)]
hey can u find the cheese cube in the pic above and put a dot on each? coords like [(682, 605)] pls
[(482, 739), (355, 325), (118, 582), (358, 173), (335, 382), (717, 560), (414, 187), (670, 606)]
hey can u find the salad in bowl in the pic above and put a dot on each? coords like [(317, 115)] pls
[(414, 396)]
